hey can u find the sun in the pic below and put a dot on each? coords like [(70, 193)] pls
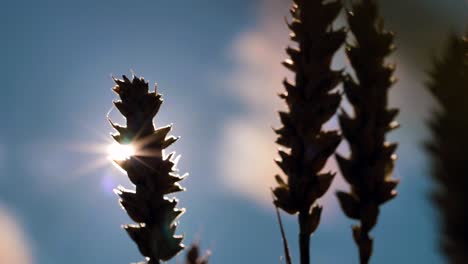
[(118, 152)]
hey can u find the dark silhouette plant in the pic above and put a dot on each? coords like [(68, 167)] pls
[(193, 256), (369, 168), (449, 125), (311, 101), (153, 174)]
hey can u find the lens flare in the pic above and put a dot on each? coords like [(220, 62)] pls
[(117, 151)]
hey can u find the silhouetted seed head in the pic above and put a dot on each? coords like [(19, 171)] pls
[(369, 168), (312, 101), (153, 174), (449, 125)]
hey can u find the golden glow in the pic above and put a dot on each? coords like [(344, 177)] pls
[(117, 151)]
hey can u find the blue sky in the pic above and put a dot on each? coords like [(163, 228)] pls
[(217, 65)]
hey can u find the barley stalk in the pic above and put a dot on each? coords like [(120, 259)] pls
[(369, 168), (153, 175), (449, 85), (287, 255), (311, 102)]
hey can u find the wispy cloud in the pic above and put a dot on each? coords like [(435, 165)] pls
[(13, 244), (247, 143)]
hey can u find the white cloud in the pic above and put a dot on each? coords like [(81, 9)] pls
[(13, 245), (247, 143), (246, 161), (257, 78)]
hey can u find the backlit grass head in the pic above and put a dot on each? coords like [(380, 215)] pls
[(140, 152)]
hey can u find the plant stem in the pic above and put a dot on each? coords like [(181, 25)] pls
[(365, 247), (287, 255), (154, 261), (304, 237)]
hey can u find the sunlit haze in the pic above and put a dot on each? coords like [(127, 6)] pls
[(119, 152)]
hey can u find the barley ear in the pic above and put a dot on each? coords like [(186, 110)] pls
[(369, 168), (150, 170), (449, 126), (311, 100)]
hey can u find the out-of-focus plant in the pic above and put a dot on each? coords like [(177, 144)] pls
[(449, 125), (193, 256), (369, 168), (153, 174), (311, 102)]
